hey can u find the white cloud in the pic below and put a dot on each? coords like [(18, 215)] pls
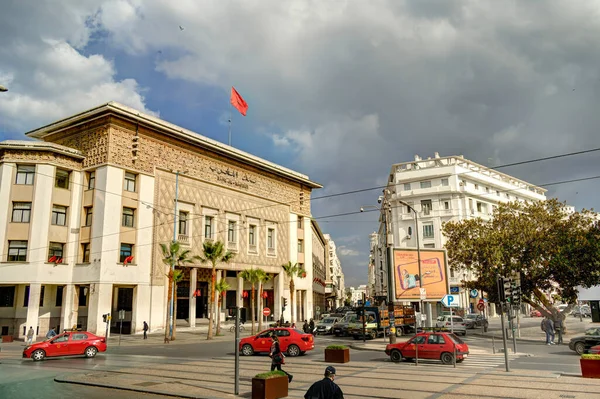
[(345, 251)]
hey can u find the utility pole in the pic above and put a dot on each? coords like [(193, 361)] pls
[(390, 271), (172, 305), (500, 283)]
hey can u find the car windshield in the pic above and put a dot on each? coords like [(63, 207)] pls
[(328, 321), (456, 340), (592, 331), (471, 316), (440, 318)]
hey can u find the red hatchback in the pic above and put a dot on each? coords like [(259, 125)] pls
[(70, 343), (293, 342), (431, 345)]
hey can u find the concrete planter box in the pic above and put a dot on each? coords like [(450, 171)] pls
[(337, 355), (590, 368), (269, 388), (7, 338)]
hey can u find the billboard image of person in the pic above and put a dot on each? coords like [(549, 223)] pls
[(406, 274)]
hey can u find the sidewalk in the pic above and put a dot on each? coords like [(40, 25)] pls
[(535, 334)]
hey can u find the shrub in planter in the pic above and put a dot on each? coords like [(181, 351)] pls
[(590, 366), (271, 385), (337, 354)]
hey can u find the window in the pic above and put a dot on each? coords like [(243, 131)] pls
[(487, 189), (508, 195), (252, 235), (91, 177), (428, 245), (79, 337), (479, 208), (406, 186), (25, 174), (59, 295), (128, 214), (436, 339), (42, 293), (300, 222), (231, 231), (426, 206), (126, 250), (82, 296), (26, 297), (445, 182), (300, 246), (62, 338), (88, 215), (59, 215), (85, 250), (419, 339), (428, 230), (208, 227), (17, 251), (7, 297), (125, 298), (476, 186), (183, 223), (408, 209), (62, 179), (409, 230), (21, 212), (55, 249), (446, 205), (426, 184), (129, 183), (271, 238)]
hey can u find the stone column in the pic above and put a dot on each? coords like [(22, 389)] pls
[(67, 308), (429, 314), (193, 286), (33, 308), (100, 302)]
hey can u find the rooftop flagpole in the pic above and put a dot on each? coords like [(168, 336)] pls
[(230, 117)]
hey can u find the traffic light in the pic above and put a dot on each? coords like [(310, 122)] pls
[(515, 293), (507, 285), (105, 317), (503, 286), (283, 303)]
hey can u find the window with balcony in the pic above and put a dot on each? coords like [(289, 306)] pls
[(128, 217), (183, 223), (209, 227), (425, 184), (126, 251), (428, 231), (17, 251), (300, 222), (62, 178), (445, 182), (25, 174), (129, 183), (85, 250), (300, 246), (426, 207), (232, 231), (21, 212), (91, 179), (55, 249), (406, 186), (271, 239), (88, 216), (59, 215)]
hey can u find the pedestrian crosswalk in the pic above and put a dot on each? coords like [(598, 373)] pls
[(476, 360)]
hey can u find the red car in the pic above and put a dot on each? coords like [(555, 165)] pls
[(431, 345), (535, 313), (595, 350), (293, 342), (70, 343)]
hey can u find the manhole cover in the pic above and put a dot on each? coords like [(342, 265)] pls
[(147, 383)]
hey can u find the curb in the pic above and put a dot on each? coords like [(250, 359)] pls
[(500, 338), (362, 348)]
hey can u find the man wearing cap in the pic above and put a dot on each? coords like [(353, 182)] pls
[(326, 388)]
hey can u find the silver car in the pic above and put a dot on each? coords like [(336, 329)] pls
[(325, 326), (457, 324)]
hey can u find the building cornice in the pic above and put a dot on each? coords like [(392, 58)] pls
[(30, 145)]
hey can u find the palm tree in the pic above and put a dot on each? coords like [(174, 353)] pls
[(177, 277), (173, 255), (213, 252), (293, 270), (253, 276), (262, 280), (221, 287)]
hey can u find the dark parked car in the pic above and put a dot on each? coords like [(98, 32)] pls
[(583, 342), (475, 320)]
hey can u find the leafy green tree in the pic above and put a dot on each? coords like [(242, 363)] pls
[(174, 256), (548, 248), (213, 253), (221, 287), (253, 276), (293, 270)]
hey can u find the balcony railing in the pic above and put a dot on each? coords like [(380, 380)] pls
[(183, 238)]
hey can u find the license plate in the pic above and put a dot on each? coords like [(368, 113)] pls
[(465, 355)]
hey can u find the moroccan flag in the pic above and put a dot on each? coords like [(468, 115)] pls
[(238, 102)]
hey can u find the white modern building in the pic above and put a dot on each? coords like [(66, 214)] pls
[(335, 288), (91, 197), (356, 294), (440, 189)]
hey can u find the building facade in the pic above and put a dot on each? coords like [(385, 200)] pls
[(319, 259), (90, 200), (441, 189), (335, 290)]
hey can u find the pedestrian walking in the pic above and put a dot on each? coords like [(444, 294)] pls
[(311, 324), (548, 327), (30, 335), (558, 328), (305, 327), (145, 330), (326, 388), (277, 358), (51, 333)]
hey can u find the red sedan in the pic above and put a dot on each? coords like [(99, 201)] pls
[(293, 342), (595, 350), (431, 345), (70, 343)]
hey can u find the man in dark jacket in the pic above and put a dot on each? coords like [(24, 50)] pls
[(326, 388)]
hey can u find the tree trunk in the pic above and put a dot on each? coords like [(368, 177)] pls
[(292, 286), (167, 330), (174, 311), (219, 314), (253, 309), (211, 310), (260, 302)]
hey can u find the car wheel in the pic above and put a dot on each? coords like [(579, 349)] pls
[(38, 355), (90, 351), (579, 348), (399, 332), (396, 356), (373, 335), (447, 358), (302, 353), (293, 351), (247, 350)]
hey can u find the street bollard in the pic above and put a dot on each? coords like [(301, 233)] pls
[(493, 345), (416, 354), (454, 357)]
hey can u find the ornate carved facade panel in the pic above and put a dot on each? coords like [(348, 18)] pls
[(41, 157)]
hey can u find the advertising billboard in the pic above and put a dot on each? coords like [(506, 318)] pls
[(433, 270)]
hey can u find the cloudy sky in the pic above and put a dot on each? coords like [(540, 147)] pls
[(337, 89)]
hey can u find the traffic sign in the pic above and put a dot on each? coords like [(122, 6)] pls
[(423, 292), (480, 306), (121, 315), (266, 312), (451, 301), (454, 290), (481, 302), (474, 293)]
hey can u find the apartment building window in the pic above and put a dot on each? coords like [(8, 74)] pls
[(428, 245), (85, 250), (406, 186), (25, 174), (42, 294), (126, 251), (476, 186), (271, 238), (183, 223), (426, 207), (82, 296), (55, 249), (62, 179), (88, 215), (21, 212), (479, 207), (425, 184), (445, 182), (59, 215), (128, 217), (26, 297), (59, 296), (408, 209), (208, 227), (231, 231), (428, 230), (487, 189), (252, 235), (446, 204), (91, 180), (17, 251), (300, 246), (300, 222), (7, 297), (508, 195), (129, 183)]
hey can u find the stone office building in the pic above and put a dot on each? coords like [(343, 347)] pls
[(90, 199)]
